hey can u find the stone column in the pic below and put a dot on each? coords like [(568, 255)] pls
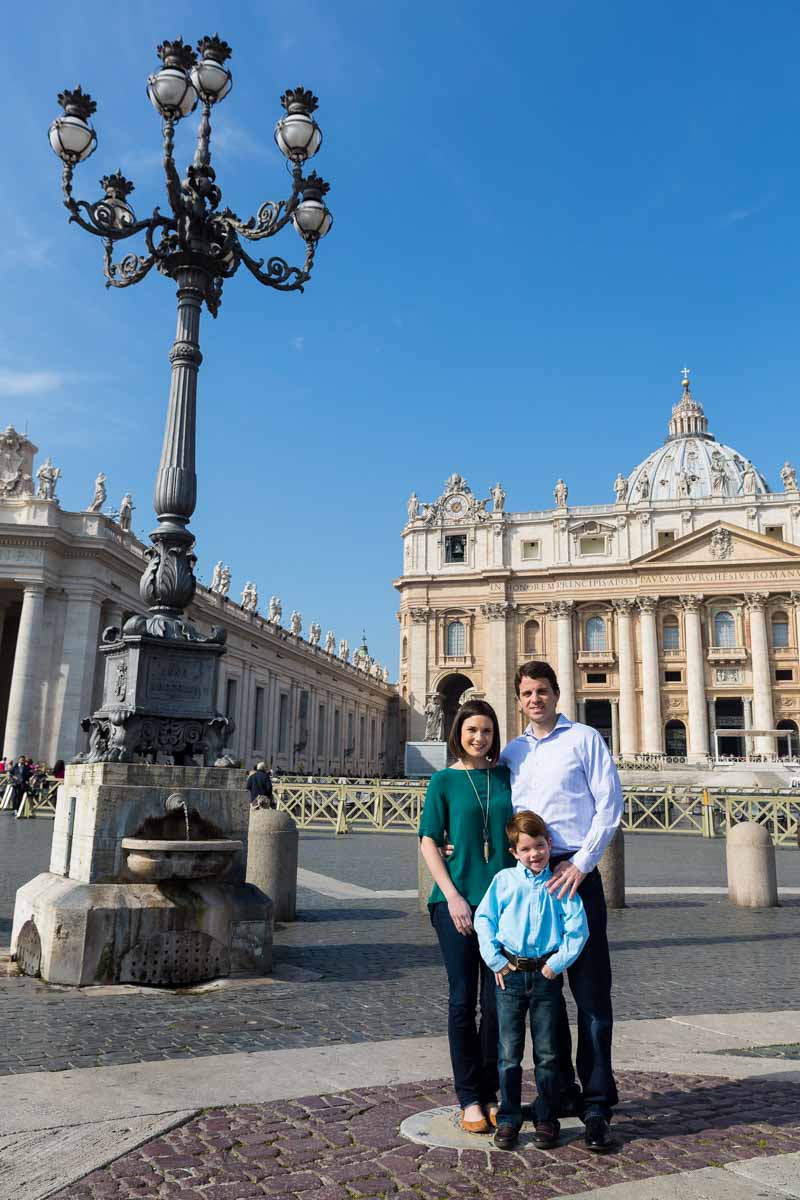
[(629, 742), (712, 721), (20, 732), (495, 614), (763, 717), (795, 599), (614, 726), (581, 705), (78, 660), (652, 737), (697, 748), (417, 673), (562, 610)]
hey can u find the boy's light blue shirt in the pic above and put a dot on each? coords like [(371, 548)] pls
[(519, 913)]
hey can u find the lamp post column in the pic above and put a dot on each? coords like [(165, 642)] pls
[(695, 679), (168, 583), (762, 683), (651, 689)]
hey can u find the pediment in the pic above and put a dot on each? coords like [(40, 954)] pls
[(598, 528), (721, 543)]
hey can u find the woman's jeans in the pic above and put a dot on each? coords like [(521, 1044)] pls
[(473, 1048), (529, 995)]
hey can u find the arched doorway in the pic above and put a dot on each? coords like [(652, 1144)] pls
[(451, 689), (675, 739), (788, 746)]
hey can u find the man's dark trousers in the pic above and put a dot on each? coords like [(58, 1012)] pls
[(590, 984)]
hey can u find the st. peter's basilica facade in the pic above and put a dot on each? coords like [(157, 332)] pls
[(670, 614)]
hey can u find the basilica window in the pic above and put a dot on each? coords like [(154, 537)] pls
[(405, 647), (780, 630), (671, 634), (595, 634), (724, 629), (455, 548), (531, 637), (774, 531), (592, 545), (456, 640), (665, 536), (531, 550)]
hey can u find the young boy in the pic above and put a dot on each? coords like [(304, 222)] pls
[(528, 938)]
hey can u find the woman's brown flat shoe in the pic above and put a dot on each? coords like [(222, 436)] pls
[(491, 1116), (481, 1126)]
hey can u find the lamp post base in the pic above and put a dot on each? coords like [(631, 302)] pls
[(159, 698)]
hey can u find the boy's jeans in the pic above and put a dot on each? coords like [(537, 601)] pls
[(528, 993)]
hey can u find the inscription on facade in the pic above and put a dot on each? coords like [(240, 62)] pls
[(22, 554), (594, 583)]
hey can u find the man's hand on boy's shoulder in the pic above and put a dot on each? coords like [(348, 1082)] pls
[(500, 976), (567, 878)]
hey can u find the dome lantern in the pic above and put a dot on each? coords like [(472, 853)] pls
[(688, 418)]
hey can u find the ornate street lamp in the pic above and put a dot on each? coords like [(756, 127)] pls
[(160, 677)]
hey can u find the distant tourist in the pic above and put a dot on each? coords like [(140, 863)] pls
[(58, 769), (20, 777), (469, 802), (259, 785)]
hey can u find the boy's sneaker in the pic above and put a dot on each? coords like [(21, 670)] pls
[(546, 1135), (506, 1137)]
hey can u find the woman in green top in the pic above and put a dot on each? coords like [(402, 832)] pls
[(469, 805)]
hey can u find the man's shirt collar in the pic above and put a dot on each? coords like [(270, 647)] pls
[(561, 723)]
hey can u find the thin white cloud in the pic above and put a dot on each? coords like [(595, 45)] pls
[(233, 141), (23, 248), (298, 343), (735, 215), (30, 383)]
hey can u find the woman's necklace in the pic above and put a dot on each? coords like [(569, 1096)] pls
[(484, 815)]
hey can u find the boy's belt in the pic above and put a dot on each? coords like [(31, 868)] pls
[(526, 964)]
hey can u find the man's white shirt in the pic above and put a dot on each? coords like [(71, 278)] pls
[(568, 777)]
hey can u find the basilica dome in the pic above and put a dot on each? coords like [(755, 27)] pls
[(692, 464)]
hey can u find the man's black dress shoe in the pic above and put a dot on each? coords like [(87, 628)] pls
[(598, 1135), (506, 1137)]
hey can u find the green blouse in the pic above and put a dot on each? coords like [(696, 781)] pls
[(452, 813)]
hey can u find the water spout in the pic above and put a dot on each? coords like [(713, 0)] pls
[(176, 802)]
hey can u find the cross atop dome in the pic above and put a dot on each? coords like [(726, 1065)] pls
[(688, 417)]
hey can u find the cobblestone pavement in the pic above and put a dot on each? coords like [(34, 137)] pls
[(347, 1147), (381, 978)]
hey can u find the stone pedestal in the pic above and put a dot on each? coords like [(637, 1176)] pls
[(612, 871), (424, 758), (272, 859), (89, 920), (750, 862)]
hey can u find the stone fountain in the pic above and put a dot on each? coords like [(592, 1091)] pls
[(146, 882)]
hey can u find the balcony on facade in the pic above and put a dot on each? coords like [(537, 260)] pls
[(726, 654), (596, 658)]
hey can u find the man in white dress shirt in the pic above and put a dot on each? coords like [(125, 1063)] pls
[(564, 772)]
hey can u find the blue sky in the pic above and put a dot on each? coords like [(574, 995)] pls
[(542, 211)]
